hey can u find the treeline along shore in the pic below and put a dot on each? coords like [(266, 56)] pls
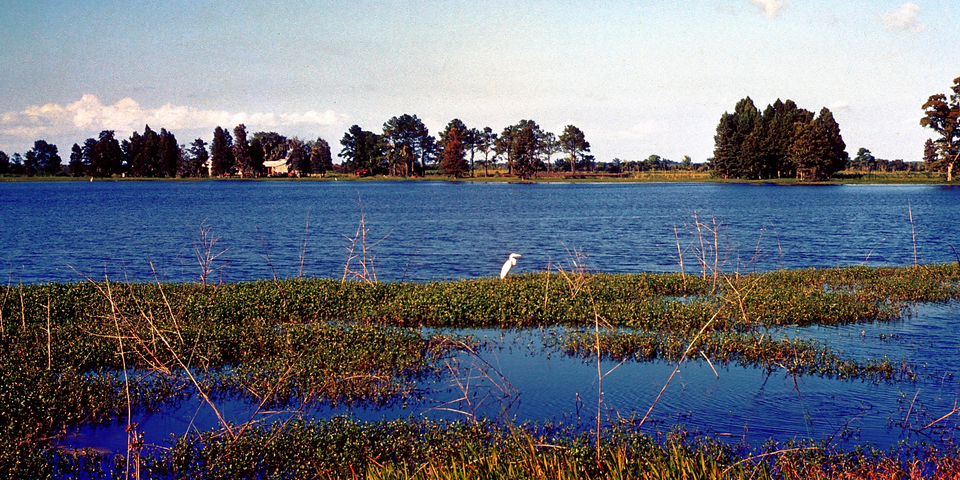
[(784, 141)]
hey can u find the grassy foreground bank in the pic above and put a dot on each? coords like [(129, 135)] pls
[(66, 351)]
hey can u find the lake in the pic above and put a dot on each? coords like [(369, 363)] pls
[(425, 231)]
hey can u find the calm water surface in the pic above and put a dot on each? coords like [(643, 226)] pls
[(59, 231)]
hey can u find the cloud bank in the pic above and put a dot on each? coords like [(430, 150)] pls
[(903, 18), (89, 116)]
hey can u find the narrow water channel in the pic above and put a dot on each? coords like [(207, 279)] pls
[(516, 379)]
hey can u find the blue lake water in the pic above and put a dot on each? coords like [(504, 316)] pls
[(424, 231)]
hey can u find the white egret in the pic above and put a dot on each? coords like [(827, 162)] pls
[(509, 263)]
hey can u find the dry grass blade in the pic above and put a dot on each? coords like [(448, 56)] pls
[(303, 247), (464, 380), (913, 233), (206, 253), (944, 417), (677, 367), (365, 270)]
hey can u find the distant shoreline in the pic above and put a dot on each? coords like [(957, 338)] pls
[(850, 178)]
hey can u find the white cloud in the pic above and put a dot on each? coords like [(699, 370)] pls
[(88, 115), (771, 8), (903, 18), (839, 105)]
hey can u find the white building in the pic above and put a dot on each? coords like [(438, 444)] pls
[(275, 167)]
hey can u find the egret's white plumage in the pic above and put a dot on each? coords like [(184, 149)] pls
[(509, 263)]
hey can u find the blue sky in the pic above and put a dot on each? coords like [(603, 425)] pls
[(638, 77)]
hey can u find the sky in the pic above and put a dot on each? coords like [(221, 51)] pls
[(638, 77)]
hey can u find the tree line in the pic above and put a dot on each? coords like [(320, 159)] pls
[(782, 141), (405, 147), (157, 155)]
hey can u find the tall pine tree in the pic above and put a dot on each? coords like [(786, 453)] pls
[(221, 153)]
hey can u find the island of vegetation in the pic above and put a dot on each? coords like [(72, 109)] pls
[(781, 143)]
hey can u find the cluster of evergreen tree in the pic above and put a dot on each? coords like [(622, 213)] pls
[(784, 141)]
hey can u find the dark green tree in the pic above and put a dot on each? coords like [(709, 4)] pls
[(77, 166), (89, 149), (31, 166), (525, 149), (321, 160), (751, 144), (503, 145), (772, 141), (574, 143), (811, 152), (942, 114), (407, 140), (16, 164), (44, 158), (510, 144), (653, 162), (738, 150), (196, 164), (485, 144), (298, 157), (454, 158), (221, 153), (749, 135), (272, 144), (838, 148), (471, 143), (363, 151), (243, 160), (864, 161), (257, 156), (104, 155), (726, 150), (549, 146), (930, 155), (4, 163), (168, 154), (144, 153)]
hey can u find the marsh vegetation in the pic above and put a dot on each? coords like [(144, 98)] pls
[(96, 351)]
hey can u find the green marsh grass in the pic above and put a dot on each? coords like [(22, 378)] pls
[(303, 340)]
